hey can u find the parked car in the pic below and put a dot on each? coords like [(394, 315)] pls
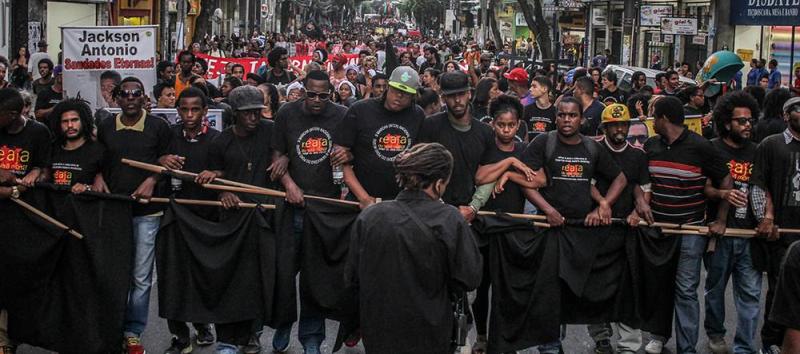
[(624, 74)]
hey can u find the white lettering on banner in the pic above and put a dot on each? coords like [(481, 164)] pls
[(773, 2)]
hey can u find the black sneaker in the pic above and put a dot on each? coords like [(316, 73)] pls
[(204, 335), (603, 347), (178, 347), (253, 346)]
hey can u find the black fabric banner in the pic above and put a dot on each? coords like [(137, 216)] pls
[(220, 272), (526, 303), (654, 261), (62, 293), (325, 243)]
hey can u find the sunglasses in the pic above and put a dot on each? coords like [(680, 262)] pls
[(323, 96), (744, 120), (136, 93)]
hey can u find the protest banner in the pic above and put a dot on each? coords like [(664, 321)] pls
[(216, 65), (94, 55)]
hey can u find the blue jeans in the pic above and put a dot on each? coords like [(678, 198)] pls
[(145, 229), (311, 327), (687, 306), (732, 258)]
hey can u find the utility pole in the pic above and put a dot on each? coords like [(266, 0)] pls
[(484, 23), (180, 26), (627, 32)]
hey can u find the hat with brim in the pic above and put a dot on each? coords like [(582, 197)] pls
[(401, 87), (404, 78), (454, 82), (245, 98), (615, 113), (790, 103)]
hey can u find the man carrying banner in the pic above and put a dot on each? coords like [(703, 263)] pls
[(408, 255), (189, 151), (242, 153), (735, 257), (615, 122), (136, 135), (77, 160), (303, 132), (375, 131), (680, 162), (776, 201)]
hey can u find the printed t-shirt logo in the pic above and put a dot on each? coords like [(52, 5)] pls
[(740, 171), (62, 177), (14, 159), (390, 140), (314, 145), (572, 170)]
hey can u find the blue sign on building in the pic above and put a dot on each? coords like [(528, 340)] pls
[(765, 12)]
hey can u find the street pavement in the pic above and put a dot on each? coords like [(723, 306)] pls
[(157, 337)]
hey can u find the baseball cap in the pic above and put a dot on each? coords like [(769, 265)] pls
[(454, 82), (518, 74), (791, 102), (614, 113), (405, 78), (245, 98)]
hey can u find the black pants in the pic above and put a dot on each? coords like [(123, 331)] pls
[(181, 329), (480, 309), (772, 333)]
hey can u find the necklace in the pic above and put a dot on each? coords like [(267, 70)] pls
[(247, 155)]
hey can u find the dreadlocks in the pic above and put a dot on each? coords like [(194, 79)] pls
[(422, 165)]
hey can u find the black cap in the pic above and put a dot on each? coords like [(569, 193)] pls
[(454, 82)]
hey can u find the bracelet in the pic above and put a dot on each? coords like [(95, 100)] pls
[(88, 188)]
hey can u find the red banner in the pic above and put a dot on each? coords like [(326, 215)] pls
[(216, 65)]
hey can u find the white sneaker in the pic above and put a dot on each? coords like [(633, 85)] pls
[(654, 347)]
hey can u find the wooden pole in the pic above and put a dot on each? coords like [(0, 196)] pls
[(47, 218), (199, 202), (242, 187)]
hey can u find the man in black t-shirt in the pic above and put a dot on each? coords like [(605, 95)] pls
[(592, 108), (278, 60), (242, 153), (375, 131), (77, 160), (785, 307), (541, 115), (468, 139), (570, 169), (303, 132), (50, 96), (615, 123), (188, 151), (24, 154), (136, 135), (776, 175), (735, 257), (610, 89)]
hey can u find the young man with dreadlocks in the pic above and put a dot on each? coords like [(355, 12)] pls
[(77, 160), (407, 256)]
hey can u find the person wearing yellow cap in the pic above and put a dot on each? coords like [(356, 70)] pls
[(614, 124)]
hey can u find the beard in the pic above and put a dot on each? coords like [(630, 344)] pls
[(737, 138)]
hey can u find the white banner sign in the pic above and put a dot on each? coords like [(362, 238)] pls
[(679, 25), (651, 15), (95, 58)]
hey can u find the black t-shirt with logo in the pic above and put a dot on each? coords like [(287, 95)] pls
[(740, 164), (376, 136), (308, 141), (620, 95), (244, 159), (539, 120), (633, 163), (469, 148), (81, 165), (23, 151), (511, 200), (569, 174)]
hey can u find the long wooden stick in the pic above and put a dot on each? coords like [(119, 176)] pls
[(201, 202), (244, 187), (691, 229), (47, 218)]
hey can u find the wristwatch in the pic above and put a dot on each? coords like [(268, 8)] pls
[(14, 192)]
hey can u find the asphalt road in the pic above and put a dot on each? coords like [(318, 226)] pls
[(157, 337)]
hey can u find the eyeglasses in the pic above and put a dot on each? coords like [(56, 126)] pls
[(744, 120), (323, 96), (136, 93)]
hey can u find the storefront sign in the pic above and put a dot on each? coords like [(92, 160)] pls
[(651, 15), (679, 25), (668, 38), (92, 52), (701, 40), (765, 12)]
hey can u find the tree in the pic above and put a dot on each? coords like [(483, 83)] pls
[(534, 17), (498, 38)]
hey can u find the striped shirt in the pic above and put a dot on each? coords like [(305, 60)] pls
[(678, 173)]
